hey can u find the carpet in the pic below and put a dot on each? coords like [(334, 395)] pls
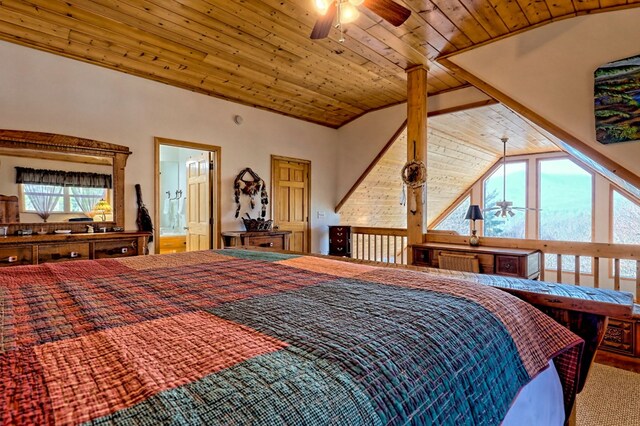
[(611, 397)]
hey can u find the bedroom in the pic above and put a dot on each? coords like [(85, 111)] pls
[(48, 93)]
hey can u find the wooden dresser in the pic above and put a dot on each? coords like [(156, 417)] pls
[(340, 241), (492, 260), (35, 249), (275, 239)]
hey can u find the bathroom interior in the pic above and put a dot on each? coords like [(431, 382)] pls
[(173, 197)]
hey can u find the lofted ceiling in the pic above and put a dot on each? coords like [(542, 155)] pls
[(258, 52), (462, 147)]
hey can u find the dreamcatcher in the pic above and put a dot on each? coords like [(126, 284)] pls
[(414, 177), (250, 188)]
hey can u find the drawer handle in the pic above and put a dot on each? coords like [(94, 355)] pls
[(507, 266), (74, 254), (10, 259), (339, 241), (266, 245), (339, 234), (339, 248)]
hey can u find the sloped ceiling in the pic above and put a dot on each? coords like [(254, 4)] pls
[(258, 52), (550, 72), (461, 147)]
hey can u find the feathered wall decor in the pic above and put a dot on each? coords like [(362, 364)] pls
[(250, 188)]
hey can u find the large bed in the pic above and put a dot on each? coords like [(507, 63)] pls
[(239, 337)]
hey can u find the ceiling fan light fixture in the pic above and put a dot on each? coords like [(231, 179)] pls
[(512, 214), (348, 13), (321, 6)]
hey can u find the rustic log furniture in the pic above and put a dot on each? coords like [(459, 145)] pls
[(493, 260), (271, 239)]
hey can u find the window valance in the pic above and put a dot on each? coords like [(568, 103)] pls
[(62, 178)]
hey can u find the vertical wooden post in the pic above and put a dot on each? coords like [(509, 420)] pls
[(119, 163), (416, 131)]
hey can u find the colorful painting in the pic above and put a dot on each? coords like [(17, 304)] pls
[(617, 101)]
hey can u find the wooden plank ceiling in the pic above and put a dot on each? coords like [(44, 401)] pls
[(259, 53), (462, 147)]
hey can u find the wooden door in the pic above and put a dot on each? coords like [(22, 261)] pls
[(291, 197), (198, 206)]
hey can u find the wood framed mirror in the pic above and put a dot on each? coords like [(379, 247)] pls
[(60, 152)]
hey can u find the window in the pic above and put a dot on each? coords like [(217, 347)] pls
[(455, 220), (625, 218), (59, 199), (566, 208), (516, 191)]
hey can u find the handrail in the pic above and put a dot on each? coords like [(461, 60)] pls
[(389, 245)]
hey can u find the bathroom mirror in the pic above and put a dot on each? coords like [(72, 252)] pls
[(66, 155)]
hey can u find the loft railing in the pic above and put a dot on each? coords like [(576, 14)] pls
[(598, 265), (388, 245)]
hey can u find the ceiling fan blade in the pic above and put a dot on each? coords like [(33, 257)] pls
[(389, 10), (324, 23)]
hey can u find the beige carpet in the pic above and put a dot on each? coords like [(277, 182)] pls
[(611, 397)]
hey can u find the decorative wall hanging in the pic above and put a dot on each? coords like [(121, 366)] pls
[(250, 188), (414, 177), (617, 101)]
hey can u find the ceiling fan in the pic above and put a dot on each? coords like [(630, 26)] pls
[(504, 207), (344, 11)]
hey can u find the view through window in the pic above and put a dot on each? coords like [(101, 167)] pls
[(516, 191), (566, 208), (455, 220), (626, 216)]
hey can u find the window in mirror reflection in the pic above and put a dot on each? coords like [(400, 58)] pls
[(58, 199)]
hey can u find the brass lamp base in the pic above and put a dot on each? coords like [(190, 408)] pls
[(474, 240)]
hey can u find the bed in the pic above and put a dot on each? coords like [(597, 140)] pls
[(252, 337)]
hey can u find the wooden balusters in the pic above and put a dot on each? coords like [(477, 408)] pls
[(596, 272), (637, 280), (559, 271), (577, 270), (616, 274)]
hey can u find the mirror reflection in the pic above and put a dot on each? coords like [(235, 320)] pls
[(59, 189)]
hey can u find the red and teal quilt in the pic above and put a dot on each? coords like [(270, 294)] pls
[(239, 337)]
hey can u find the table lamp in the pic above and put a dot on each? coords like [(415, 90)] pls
[(474, 213), (102, 207)]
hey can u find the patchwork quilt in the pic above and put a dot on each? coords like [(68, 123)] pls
[(237, 337)]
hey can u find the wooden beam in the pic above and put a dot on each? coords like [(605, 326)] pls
[(552, 128), (416, 136)]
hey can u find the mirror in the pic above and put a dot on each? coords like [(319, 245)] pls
[(77, 158)]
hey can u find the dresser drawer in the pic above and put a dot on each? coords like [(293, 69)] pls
[(619, 337), (111, 249), (509, 265), (276, 241), (62, 252), (16, 256)]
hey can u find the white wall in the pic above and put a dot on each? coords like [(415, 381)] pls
[(550, 71), (43, 92)]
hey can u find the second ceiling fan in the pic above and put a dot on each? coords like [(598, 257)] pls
[(344, 11)]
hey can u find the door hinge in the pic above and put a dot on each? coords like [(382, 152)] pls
[(210, 164), (210, 221)]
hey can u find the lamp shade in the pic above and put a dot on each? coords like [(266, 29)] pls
[(474, 212), (103, 208)]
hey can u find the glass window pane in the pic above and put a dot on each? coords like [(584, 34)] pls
[(626, 217), (511, 225), (455, 220), (566, 201)]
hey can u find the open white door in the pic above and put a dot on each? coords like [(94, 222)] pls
[(199, 202)]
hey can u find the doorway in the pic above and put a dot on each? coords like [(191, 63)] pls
[(187, 196), (291, 195)]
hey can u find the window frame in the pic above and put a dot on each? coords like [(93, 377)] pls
[(452, 207), (488, 175), (615, 188), (538, 190), (66, 201)]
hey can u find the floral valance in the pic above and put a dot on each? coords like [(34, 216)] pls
[(62, 178)]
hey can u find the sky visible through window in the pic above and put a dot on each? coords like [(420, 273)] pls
[(516, 192), (626, 217), (566, 208)]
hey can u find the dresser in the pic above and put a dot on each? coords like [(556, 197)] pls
[(36, 249), (492, 260), (340, 241), (274, 239)]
